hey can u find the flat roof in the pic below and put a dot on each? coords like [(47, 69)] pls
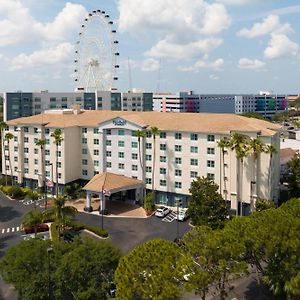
[(181, 122)]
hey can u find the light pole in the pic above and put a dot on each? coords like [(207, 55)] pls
[(179, 203), (49, 251)]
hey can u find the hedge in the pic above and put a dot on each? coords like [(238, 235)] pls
[(79, 226)]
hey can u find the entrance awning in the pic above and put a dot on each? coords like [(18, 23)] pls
[(112, 183)]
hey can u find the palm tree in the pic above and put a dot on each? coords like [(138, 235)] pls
[(141, 135), (238, 144), (9, 136), (223, 143), (32, 219), (57, 136), (41, 143), (61, 213), (255, 146), (3, 125), (270, 149), (154, 131)]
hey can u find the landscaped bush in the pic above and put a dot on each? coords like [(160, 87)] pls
[(17, 192), (54, 231), (6, 190), (80, 226), (149, 205)]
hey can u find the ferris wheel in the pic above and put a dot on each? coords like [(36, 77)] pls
[(96, 54)]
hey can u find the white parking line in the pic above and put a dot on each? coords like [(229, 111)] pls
[(13, 229), (18, 228), (8, 230), (3, 230)]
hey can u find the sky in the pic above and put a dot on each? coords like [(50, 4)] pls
[(205, 46)]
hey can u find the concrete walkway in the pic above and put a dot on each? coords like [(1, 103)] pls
[(115, 208)]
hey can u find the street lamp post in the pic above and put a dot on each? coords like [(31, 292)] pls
[(49, 251)]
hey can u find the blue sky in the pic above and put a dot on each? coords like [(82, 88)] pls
[(221, 46)]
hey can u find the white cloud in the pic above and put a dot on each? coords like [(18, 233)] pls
[(271, 24), (203, 64), (169, 49), (246, 63), (18, 26), (150, 65), (53, 56), (279, 46), (183, 30), (213, 77), (239, 2)]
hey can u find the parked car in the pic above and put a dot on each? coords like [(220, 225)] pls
[(162, 211), (182, 214), (37, 228)]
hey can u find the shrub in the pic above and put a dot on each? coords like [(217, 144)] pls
[(77, 226), (6, 190), (149, 205), (54, 231), (16, 192)]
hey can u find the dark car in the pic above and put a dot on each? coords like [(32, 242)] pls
[(37, 228)]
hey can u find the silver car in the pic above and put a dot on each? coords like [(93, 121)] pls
[(162, 211)]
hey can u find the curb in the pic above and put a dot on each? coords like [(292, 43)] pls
[(96, 235)]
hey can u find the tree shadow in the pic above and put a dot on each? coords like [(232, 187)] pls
[(8, 213), (4, 244), (257, 291)]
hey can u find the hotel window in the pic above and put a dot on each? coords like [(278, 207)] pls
[(84, 162), (47, 152), (16, 169), (36, 161), (148, 169), (15, 158), (26, 129), (163, 147), (15, 138), (194, 162), (108, 164), (148, 157), (121, 166), (47, 141), (134, 144), (178, 172), (121, 143), (59, 164), (121, 132), (16, 149), (47, 163), (134, 167), (194, 174), (121, 155), (210, 163), (178, 136), (26, 150), (108, 131), (162, 171), (47, 130), (36, 151), (7, 168), (163, 182), (96, 141), (134, 156), (35, 130), (108, 142), (148, 180), (178, 148), (84, 140), (26, 170), (96, 163), (58, 153), (148, 146), (84, 151), (96, 152), (194, 149), (96, 130), (210, 150), (108, 153), (178, 185), (47, 173), (211, 176), (84, 130), (194, 137), (148, 134), (163, 159), (162, 135), (133, 133), (210, 138), (6, 147), (178, 160), (26, 139), (84, 172)]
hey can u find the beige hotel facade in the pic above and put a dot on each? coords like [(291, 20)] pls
[(105, 141)]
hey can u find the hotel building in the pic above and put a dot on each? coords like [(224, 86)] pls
[(186, 147)]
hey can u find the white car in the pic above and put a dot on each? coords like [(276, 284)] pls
[(162, 211), (182, 214)]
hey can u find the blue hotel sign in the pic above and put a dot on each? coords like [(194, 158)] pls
[(119, 122)]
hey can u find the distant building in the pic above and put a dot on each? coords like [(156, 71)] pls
[(264, 104), (21, 104)]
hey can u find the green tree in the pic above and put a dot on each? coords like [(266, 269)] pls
[(294, 178), (153, 270), (262, 204), (31, 219), (72, 191), (255, 147), (62, 214), (271, 150), (41, 143), (141, 136), (207, 207), (57, 136), (223, 144), (8, 137), (238, 143), (154, 132), (149, 204)]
